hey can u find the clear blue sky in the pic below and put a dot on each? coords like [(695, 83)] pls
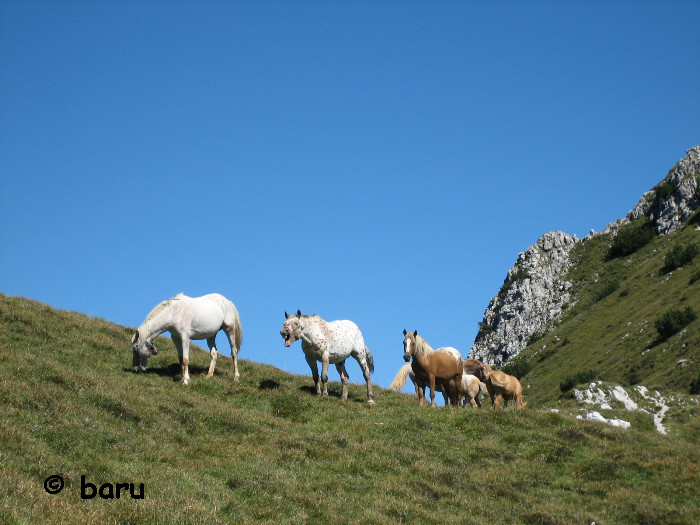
[(383, 162)]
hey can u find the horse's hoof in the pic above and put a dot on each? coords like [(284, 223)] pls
[(237, 377), (370, 401)]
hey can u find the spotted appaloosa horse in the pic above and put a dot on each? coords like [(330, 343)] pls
[(189, 318), (445, 363), (329, 343)]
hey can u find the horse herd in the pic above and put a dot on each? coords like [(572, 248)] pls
[(198, 318)]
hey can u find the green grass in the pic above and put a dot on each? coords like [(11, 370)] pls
[(265, 450)]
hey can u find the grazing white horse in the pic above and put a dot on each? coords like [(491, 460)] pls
[(329, 343), (189, 318)]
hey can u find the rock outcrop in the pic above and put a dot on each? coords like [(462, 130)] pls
[(674, 200), (536, 289), (533, 294)]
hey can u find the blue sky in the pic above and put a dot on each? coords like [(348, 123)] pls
[(383, 162)]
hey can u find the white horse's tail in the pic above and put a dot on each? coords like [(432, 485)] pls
[(401, 378), (238, 337), (370, 360), (239, 330)]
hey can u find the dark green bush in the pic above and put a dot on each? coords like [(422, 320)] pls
[(605, 288), (679, 256), (517, 368), (673, 321), (485, 329), (536, 336), (695, 386), (519, 275), (576, 379), (695, 277), (664, 190), (631, 237)]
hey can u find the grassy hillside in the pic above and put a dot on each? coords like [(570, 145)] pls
[(265, 450)]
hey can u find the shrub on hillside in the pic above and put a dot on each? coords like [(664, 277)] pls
[(664, 190), (673, 321), (694, 278), (695, 386), (576, 379), (517, 368), (631, 237), (605, 288), (679, 256)]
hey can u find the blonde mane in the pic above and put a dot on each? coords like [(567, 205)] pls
[(422, 347)]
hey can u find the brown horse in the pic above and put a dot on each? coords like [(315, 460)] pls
[(476, 368), (428, 365)]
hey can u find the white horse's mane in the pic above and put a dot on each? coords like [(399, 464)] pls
[(160, 307)]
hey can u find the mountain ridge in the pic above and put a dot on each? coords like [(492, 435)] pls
[(537, 289)]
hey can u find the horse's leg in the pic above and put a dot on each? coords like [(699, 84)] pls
[(445, 395), (183, 353), (420, 390), (361, 359), (432, 390), (231, 334), (497, 402), (186, 360), (340, 367), (324, 374), (213, 352), (314, 373), (455, 394)]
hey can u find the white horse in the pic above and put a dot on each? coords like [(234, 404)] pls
[(329, 343), (189, 318)]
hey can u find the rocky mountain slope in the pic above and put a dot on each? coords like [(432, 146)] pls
[(538, 289)]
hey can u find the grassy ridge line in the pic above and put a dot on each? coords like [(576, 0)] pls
[(266, 450)]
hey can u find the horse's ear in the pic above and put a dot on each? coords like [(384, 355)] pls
[(286, 315), (415, 333), (135, 337), (298, 313), (404, 331)]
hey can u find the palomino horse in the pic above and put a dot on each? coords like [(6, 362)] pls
[(406, 372), (445, 363), (188, 318), (329, 343), (502, 386)]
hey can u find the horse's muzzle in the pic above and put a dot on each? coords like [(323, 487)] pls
[(407, 358), (286, 337)]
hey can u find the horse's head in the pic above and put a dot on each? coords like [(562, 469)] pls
[(142, 350), (291, 331), (409, 344)]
